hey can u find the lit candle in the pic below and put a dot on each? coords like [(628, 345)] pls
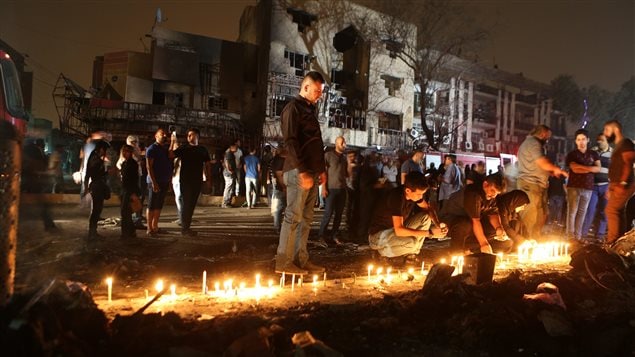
[(315, 279), (173, 291), (159, 285), (257, 281), (370, 269), (379, 271), (566, 250), (204, 289), (388, 276), (324, 280), (109, 282), (443, 260), (241, 288), (147, 296), (217, 288), (292, 282), (300, 281), (422, 266)]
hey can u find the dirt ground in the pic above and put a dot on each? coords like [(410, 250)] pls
[(347, 311)]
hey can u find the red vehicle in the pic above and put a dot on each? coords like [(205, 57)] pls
[(11, 102)]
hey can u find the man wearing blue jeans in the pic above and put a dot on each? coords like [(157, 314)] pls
[(252, 172), (583, 164), (302, 167), (597, 204)]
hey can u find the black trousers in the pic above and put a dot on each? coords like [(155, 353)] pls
[(463, 238), (96, 208), (190, 192), (127, 224)]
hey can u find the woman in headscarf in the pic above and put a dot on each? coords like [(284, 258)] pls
[(510, 205)]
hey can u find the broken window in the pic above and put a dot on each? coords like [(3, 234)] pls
[(302, 18), (298, 61), (389, 121), (393, 84)]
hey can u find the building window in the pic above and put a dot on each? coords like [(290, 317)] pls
[(389, 121), (217, 102), (346, 118), (297, 61), (393, 84)]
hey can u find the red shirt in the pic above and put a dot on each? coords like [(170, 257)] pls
[(588, 158)]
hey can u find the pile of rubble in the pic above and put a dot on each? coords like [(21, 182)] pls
[(589, 310)]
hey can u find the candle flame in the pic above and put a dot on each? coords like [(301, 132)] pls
[(159, 285)]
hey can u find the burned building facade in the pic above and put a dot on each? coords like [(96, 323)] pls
[(368, 95), (184, 80)]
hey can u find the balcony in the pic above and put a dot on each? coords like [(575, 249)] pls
[(397, 139)]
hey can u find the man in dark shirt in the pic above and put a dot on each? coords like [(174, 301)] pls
[(334, 190), (193, 159), (229, 174), (302, 167), (464, 211), (401, 220), (159, 164), (413, 164), (95, 183), (129, 190), (597, 204), (583, 164), (621, 185)]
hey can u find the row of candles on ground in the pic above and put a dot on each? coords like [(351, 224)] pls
[(531, 251), (159, 287), (230, 290), (528, 252)]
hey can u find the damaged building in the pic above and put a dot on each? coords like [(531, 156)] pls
[(183, 80), (370, 96)]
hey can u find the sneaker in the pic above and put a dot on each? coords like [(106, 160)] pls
[(312, 268), (290, 269)]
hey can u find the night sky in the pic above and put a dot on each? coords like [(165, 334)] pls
[(592, 40)]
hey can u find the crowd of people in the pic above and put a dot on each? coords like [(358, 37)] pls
[(393, 203)]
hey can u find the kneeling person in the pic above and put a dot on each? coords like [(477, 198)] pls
[(466, 212), (401, 221)]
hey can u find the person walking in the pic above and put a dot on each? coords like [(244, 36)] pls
[(302, 167), (252, 172), (194, 159), (229, 174), (621, 183)]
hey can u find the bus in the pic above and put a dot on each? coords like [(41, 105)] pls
[(11, 101)]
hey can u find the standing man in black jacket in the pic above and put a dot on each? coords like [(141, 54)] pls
[(129, 190), (302, 167)]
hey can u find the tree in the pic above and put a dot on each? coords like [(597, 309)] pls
[(568, 98), (442, 28), (623, 107)]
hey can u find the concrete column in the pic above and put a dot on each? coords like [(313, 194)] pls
[(498, 116), (460, 121), (470, 111), (536, 122), (452, 105), (505, 136), (513, 117)]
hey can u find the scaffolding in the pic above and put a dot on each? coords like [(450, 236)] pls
[(81, 112)]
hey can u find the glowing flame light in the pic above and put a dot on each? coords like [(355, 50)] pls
[(531, 252)]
